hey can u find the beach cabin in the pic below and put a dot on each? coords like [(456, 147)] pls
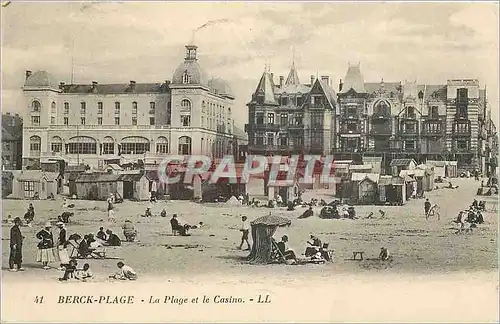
[(375, 162), (98, 186), (439, 168), (397, 165), (26, 184), (424, 175), (392, 190), (364, 188), (451, 169), (288, 190), (113, 168), (135, 186)]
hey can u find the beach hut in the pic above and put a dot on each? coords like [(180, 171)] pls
[(375, 162), (397, 165), (263, 229), (29, 183), (98, 186), (364, 187), (424, 175), (288, 190), (451, 169), (113, 168), (135, 186), (439, 168), (392, 190)]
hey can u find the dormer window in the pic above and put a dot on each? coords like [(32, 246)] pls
[(185, 77)]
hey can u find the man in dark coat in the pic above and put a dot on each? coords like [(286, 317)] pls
[(16, 246), (427, 207)]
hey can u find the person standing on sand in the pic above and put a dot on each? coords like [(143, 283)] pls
[(61, 245), (245, 230), (427, 207), (111, 213), (16, 246), (45, 253)]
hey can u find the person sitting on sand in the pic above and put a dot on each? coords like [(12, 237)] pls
[(287, 253), (84, 246), (101, 235), (384, 254), (475, 204), (315, 245), (148, 213), (163, 213), (113, 239), (129, 231), (370, 215), (174, 222), (291, 206), (9, 219), (65, 217), (279, 200), (126, 272), (85, 273), (307, 213), (382, 213), (69, 270)]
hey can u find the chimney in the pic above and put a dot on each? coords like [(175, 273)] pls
[(313, 78), (282, 79), (61, 85), (28, 74), (340, 85), (94, 84), (132, 85), (325, 79)]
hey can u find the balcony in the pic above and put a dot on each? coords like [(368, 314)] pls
[(433, 128), (409, 130), (380, 117), (384, 130), (349, 130), (462, 129), (350, 116), (296, 126), (265, 127)]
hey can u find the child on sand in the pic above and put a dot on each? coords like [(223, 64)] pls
[(84, 274), (126, 272)]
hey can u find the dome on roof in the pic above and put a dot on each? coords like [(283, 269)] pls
[(41, 79), (195, 74), (220, 86)]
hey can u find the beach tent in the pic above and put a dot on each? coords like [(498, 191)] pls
[(263, 229)]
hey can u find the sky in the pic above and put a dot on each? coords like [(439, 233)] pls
[(120, 41)]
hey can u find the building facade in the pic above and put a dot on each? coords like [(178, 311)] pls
[(387, 119), (12, 141), (291, 117), (97, 124)]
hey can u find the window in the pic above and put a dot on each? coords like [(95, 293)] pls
[(185, 145), (35, 106), (203, 106), (284, 101), (185, 77), (108, 148), (185, 120), (270, 118), (52, 120), (259, 118), (270, 139), (151, 121), (83, 108), (162, 145), (99, 120), (186, 105), (298, 119), (134, 108), (284, 119), (382, 108), (351, 126), (202, 121), (117, 120), (351, 112), (300, 100), (66, 120), (7, 147), (29, 189), (35, 120), (409, 145), (99, 108), (56, 147), (317, 138), (259, 139), (134, 120), (316, 119), (117, 108), (82, 120), (82, 148), (434, 112), (66, 108), (283, 140), (53, 107), (35, 143)]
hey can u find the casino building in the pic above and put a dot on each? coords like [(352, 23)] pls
[(97, 124)]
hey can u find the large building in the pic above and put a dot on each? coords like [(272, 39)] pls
[(291, 117), (389, 119), (12, 141), (98, 123)]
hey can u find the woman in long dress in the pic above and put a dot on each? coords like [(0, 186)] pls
[(46, 253), (62, 244)]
